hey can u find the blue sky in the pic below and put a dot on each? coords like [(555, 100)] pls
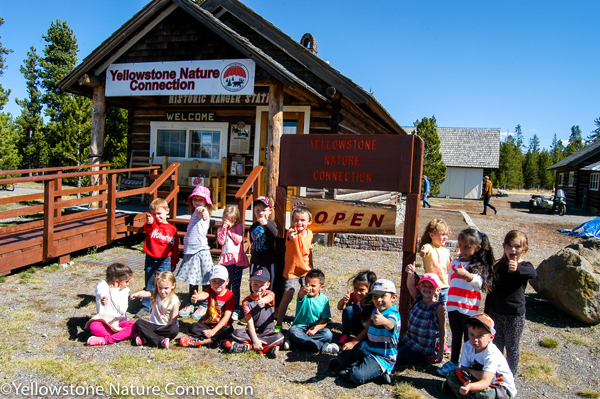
[(470, 63)]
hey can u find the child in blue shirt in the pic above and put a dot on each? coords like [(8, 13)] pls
[(376, 355), (309, 329)]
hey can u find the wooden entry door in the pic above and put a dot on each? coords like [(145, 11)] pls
[(293, 123)]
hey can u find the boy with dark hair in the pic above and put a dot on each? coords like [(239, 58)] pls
[(262, 236), (309, 330), (484, 371), (259, 312), (161, 247), (377, 354)]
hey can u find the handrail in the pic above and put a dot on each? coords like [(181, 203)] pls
[(73, 174), (245, 200), (54, 169)]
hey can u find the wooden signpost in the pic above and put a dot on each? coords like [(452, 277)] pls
[(362, 162)]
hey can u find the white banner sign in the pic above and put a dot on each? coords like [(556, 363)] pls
[(181, 77)]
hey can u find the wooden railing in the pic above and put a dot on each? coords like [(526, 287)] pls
[(105, 194), (246, 199)]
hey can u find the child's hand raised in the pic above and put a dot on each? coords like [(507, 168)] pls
[(512, 263), (346, 297), (261, 303), (410, 269), (202, 212), (460, 270), (104, 300), (226, 224), (424, 251), (292, 233), (378, 319), (195, 297), (149, 219)]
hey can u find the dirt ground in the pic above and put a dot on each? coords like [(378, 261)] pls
[(43, 312)]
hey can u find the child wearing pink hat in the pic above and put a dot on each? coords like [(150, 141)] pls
[(426, 321), (197, 264)]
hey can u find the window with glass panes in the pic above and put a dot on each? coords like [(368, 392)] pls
[(594, 179), (182, 141)]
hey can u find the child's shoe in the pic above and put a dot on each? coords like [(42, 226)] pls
[(234, 315), (96, 341), (343, 339), (200, 311), (387, 378), (139, 341), (447, 368), (242, 322), (226, 344), (331, 348), (273, 351), (286, 346), (165, 343), (447, 350), (186, 311), (236, 347), (188, 341)]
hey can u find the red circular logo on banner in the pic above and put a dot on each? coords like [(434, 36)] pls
[(234, 77)]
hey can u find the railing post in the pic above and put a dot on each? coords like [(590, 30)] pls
[(153, 194), (174, 188), (58, 187), (111, 205), (48, 239), (101, 182)]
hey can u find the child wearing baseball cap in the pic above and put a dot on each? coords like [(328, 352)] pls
[(377, 355), (259, 312), (262, 236), (216, 325), (484, 371)]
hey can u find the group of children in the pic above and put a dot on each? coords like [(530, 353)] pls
[(450, 284)]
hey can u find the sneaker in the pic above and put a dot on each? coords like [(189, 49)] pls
[(186, 311), (331, 348), (242, 322), (286, 346), (96, 341), (165, 343), (142, 314), (226, 344), (447, 368), (278, 329), (139, 341), (188, 341), (387, 378), (235, 316), (343, 339), (200, 311), (273, 351), (236, 347)]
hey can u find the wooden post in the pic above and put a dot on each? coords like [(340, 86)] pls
[(274, 132), (48, 239), (174, 186), (57, 187), (111, 207), (97, 139), (409, 241), (281, 199)]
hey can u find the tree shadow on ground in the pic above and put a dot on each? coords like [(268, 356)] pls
[(85, 300), (541, 311), (76, 329)]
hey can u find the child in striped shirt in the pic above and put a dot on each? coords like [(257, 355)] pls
[(471, 274), (376, 356)]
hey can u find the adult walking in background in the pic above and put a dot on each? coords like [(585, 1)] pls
[(488, 191), (426, 190)]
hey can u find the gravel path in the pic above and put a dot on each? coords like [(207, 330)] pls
[(42, 315)]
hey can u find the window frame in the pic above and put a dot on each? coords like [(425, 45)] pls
[(571, 178), (221, 127), (594, 181), (561, 179)]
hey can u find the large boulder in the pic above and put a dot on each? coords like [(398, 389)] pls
[(570, 280)]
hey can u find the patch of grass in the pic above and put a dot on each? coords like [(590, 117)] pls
[(52, 268), (37, 287), (404, 390), (588, 393), (2, 279), (538, 368), (549, 343), (267, 387), (16, 321), (335, 257), (578, 339)]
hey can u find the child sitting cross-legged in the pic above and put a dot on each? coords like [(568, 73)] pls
[(259, 312), (376, 356), (483, 372), (216, 324), (309, 329)]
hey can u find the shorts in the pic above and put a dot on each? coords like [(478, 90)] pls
[(290, 284)]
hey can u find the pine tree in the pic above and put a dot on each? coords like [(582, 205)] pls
[(595, 134), (9, 153), (575, 141), (531, 164), (115, 143), (433, 165), (34, 146), (557, 150), (510, 171), (4, 93), (546, 177)]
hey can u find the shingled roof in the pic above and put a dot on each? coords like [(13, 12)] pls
[(580, 156), (468, 147)]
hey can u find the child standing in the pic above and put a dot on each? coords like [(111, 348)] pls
[(216, 324), (197, 263), (110, 324), (425, 321), (161, 247), (436, 258), (231, 238), (356, 309), (309, 330), (262, 235), (484, 372), (163, 324), (259, 313), (471, 274), (506, 301), (377, 356), (298, 256)]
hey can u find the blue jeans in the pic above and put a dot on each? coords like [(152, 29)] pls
[(407, 355), (351, 323), (425, 202), (443, 297), (300, 340), (361, 367), (151, 266)]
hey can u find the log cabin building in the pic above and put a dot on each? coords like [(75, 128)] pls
[(212, 82)]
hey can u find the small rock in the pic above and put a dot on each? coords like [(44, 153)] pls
[(44, 335)]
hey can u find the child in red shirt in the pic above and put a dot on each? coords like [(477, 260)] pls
[(161, 247)]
